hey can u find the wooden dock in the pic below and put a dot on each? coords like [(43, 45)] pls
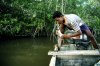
[(75, 52), (80, 53), (70, 57)]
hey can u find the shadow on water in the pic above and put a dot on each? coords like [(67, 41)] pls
[(25, 52)]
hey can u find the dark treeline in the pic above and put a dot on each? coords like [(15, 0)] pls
[(34, 17)]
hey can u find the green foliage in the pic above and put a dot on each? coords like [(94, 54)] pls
[(24, 17)]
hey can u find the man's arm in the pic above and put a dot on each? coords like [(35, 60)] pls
[(78, 33)]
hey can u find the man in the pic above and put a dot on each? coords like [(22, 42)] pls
[(75, 23)]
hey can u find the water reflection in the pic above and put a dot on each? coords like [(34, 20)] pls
[(25, 52)]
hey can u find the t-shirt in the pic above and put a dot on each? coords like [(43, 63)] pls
[(73, 21)]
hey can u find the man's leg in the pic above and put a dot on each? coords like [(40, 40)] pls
[(91, 37)]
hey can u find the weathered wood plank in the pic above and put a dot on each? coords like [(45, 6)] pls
[(75, 52), (53, 61)]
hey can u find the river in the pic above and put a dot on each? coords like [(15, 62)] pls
[(25, 52)]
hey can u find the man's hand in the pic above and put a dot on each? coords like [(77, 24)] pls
[(58, 33)]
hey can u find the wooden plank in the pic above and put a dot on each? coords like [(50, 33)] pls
[(53, 61), (75, 52)]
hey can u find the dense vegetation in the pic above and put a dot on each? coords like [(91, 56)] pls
[(34, 17)]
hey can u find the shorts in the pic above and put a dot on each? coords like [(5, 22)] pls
[(84, 27)]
